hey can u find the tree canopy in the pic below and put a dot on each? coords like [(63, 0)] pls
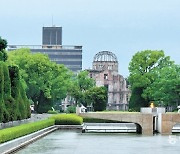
[(97, 97), (14, 104), (45, 81), (166, 87), (85, 92), (145, 68), (79, 85)]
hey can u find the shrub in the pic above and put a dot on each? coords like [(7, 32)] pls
[(18, 131), (94, 120), (67, 119), (52, 112), (71, 109)]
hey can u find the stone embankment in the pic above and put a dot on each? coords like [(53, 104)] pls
[(17, 144)]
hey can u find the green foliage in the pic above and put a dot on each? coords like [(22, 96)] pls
[(2, 105), (84, 81), (14, 104), (13, 101), (144, 69), (44, 103), (97, 96), (3, 55), (18, 131), (166, 87), (84, 91), (94, 120), (71, 109), (79, 85), (144, 65), (52, 112), (3, 45), (46, 82), (136, 101), (15, 92), (7, 83), (67, 119)]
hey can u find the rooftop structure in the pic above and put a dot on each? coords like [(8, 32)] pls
[(52, 36), (105, 56)]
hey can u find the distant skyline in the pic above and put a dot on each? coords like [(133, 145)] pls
[(120, 26)]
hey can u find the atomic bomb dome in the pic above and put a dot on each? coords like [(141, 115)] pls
[(105, 60), (105, 73), (105, 56)]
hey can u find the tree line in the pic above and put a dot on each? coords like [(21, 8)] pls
[(26, 77), (46, 82), (14, 104)]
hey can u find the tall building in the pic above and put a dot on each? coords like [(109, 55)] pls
[(70, 56), (105, 73), (52, 36)]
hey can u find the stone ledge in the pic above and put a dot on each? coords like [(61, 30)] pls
[(14, 145), (69, 126)]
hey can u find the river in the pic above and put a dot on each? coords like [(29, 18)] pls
[(75, 142)]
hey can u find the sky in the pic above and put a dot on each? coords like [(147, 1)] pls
[(123, 27)]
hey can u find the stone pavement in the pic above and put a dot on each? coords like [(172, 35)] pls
[(34, 117)]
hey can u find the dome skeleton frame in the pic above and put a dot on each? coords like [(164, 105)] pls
[(105, 56)]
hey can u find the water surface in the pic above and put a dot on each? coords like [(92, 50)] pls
[(74, 142)]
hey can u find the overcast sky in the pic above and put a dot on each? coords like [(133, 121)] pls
[(121, 26)]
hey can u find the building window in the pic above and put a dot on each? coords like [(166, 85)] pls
[(121, 97), (127, 97), (94, 67), (109, 67), (105, 76)]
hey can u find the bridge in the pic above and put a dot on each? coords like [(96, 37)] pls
[(168, 120), (145, 122)]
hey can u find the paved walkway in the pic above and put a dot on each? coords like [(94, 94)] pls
[(37, 117), (34, 117)]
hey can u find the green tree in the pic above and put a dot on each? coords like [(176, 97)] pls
[(144, 68), (79, 85), (46, 81), (3, 45), (136, 100), (97, 97), (166, 87), (3, 111), (14, 104)]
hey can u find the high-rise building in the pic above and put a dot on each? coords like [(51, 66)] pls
[(70, 56), (52, 36)]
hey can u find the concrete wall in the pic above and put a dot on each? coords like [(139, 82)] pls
[(144, 120), (159, 127), (13, 123), (168, 121)]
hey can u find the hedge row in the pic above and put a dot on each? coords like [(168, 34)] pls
[(52, 112), (67, 119), (14, 104), (25, 129), (94, 120)]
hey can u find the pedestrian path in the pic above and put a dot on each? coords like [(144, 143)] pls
[(34, 118)]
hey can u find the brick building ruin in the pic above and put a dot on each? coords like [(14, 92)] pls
[(105, 72)]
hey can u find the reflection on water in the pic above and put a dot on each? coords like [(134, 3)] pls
[(74, 142)]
